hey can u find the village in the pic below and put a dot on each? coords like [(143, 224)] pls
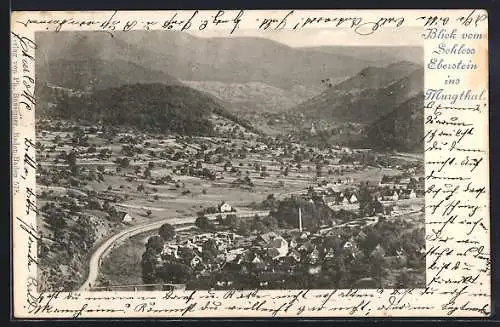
[(278, 258), (223, 259), (95, 180)]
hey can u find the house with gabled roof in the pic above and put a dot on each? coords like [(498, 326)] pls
[(233, 254), (389, 195), (353, 198), (408, 194), (224, 207), (277, 247), (258, 262), (126, 218), (265, 238)]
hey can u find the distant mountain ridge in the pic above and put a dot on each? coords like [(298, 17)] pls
[(172, 82), (187, 57), (97, 74), (376, 77), (379, 55), (367, 96)]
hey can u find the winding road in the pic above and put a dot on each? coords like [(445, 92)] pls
[(109, 244)]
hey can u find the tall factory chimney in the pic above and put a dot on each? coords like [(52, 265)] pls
[(300, 220)]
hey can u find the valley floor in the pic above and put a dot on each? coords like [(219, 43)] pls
[(94, 182)]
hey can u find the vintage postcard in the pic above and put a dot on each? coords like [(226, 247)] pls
[(250, 163)]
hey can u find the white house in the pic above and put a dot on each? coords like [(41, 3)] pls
[(126, 218), (233, 254), (277, 247), (412, 194), (314, 255), (265, 238), (224, 207), (353, 198), (256, 259)]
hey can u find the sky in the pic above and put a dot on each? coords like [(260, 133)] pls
[(329, 37)]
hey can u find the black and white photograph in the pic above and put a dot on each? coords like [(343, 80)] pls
[(173, 160)]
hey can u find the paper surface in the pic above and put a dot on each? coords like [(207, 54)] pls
[(348, 87)]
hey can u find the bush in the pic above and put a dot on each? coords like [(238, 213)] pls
[(148, 266), (155, 244), (203, 223), (167, 232), (175, 273)]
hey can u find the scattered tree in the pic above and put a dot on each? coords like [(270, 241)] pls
[(203, 223), (167, 232), (155, 243)]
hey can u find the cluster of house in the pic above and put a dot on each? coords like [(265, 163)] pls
[(400, 183), (387, 190), (275, 257), (291, 248), (189, 251), (271, 252), (338, 197), (396, 188), (396, 194)]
